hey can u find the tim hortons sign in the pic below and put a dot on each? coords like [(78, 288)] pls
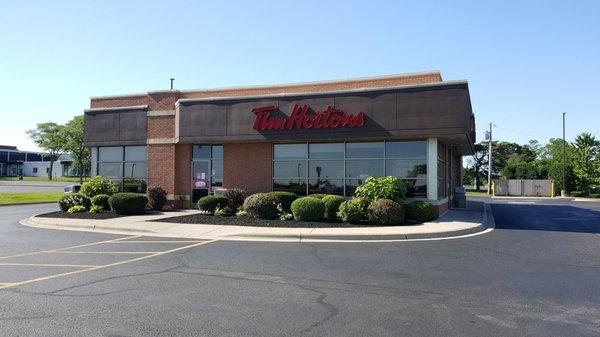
[(301, 118)]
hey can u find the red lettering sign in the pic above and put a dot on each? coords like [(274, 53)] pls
[(300, 118)]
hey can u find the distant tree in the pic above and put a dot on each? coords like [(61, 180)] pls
[(74, 138), (478, 164), (50, 138), (586, 155)]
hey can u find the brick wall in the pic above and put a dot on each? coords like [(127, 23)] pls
[(248, 166), (183, 158), (161, 166), (161, 127)]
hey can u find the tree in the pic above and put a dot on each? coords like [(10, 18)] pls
[(478, 162), (49, 137), (587, 150), (74, 138)]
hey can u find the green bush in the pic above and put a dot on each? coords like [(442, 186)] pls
[(76, 209), (375, 188), (96, 209), (69, 200), (386, 212), (285, 199), (236, 199), (98, 185), (262, 206), (353, 210), (128, 203), (332, 205), (319, 195), (102, 201), (210, 202), (157, 197), (421, 211), (578, 194), (595, 195), (308, 209)]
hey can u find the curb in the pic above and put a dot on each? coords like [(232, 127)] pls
[(28, 203), (485, 226)]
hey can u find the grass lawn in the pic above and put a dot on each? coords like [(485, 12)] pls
[(477, 194), (28, 197), (57, 179)]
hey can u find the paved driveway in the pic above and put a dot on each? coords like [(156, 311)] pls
[(535, 275)]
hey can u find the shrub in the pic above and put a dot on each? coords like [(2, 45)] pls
[(157, 197), (319, 195), (128, 203), (76, 209), (102, 201), (241, 214), (96, 209), (386, 212), (285, 199), (98, 185), (353, 210), (421, 211), (308, 209), (236, 199), (577, 194), (219, 212), (332, 205), (69, 200), (389, 187), (262, 206), (210, 202), (595, 195)]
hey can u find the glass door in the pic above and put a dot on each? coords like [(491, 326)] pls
[(200, 179)]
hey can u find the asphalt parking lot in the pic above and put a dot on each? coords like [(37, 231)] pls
[(536, 274)]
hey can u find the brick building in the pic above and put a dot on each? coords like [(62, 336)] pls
[(318, 137)]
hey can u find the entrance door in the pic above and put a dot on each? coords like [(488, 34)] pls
[(200, 179)]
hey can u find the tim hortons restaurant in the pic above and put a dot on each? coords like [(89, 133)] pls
[(318, 137)]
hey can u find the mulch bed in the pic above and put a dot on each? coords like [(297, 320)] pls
[(84, 215), (254, 222)]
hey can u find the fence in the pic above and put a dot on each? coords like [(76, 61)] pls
[(523, 187)]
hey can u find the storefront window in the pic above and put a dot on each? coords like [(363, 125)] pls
[(126, 166), (364, 150), (338, 168)]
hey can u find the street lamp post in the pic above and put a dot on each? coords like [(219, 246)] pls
[(563, 191)]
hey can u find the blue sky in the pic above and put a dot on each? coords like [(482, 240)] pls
[(526, 61)]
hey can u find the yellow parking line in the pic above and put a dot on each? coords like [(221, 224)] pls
[(9, 285), (86, 252), (73, 247), (161, 241), (50, 265)]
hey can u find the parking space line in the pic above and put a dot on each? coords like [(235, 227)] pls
[(50, 265), (158, 241), (50, 277), (88, 252), (73, 247)]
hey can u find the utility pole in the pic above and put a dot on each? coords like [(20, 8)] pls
[(490, 161), (563, 191)]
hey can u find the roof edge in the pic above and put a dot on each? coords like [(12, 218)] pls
[(120, 108), (317, 93), (279, 85)]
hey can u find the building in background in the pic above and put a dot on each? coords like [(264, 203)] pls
[(318, 137), (14, 162)]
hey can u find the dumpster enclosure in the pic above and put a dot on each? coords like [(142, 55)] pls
[(523, 187)]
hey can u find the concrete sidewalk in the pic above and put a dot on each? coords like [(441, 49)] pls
[(455, 223)]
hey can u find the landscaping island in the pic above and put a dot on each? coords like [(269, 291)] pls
[(377, 202)]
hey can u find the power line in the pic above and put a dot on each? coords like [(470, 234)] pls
[(519, 132)]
